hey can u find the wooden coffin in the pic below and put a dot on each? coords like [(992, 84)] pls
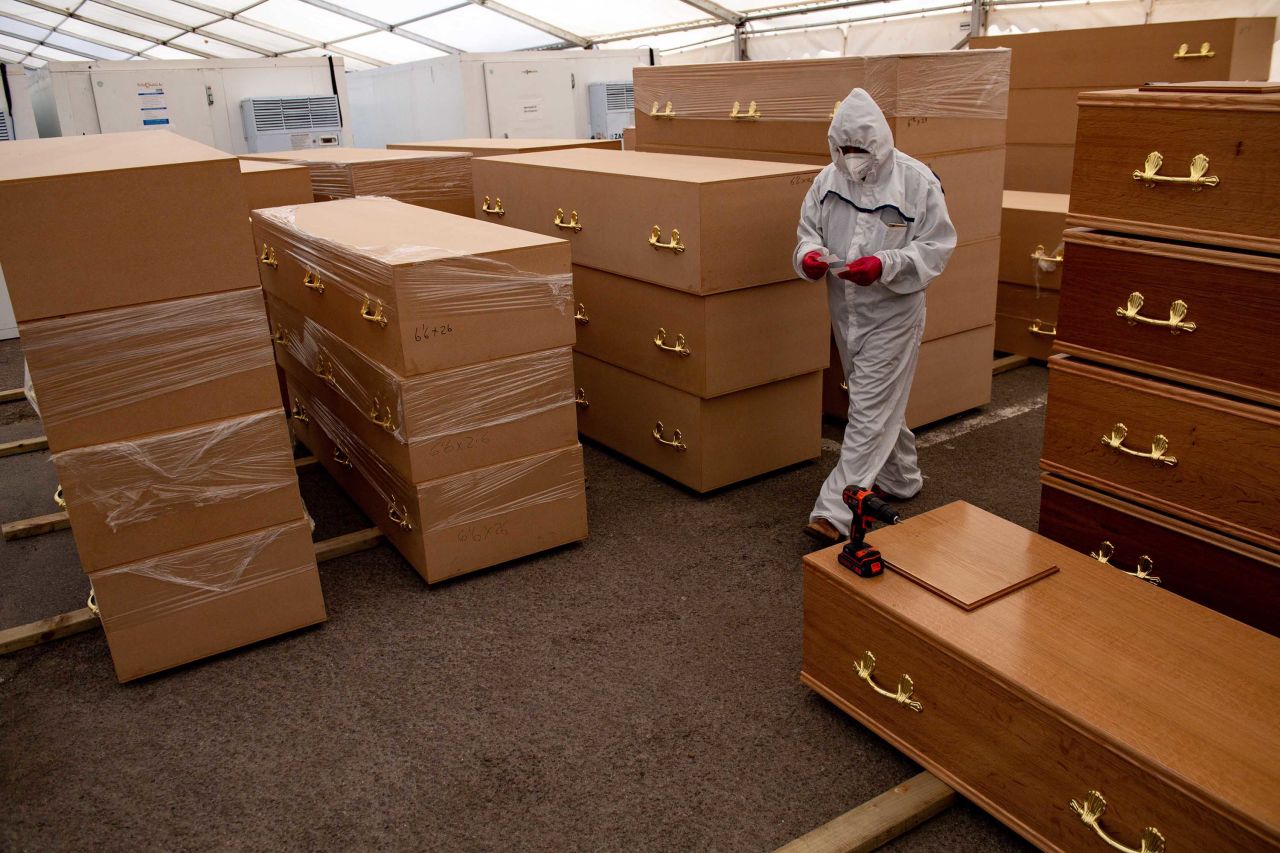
[(1201, 457), (1232, 577), (1038, 168), (690, 223), (440, 423), (181, 606), (704, 345), (704, 444), (440, 180), (499, 147), (1200, 166), (414, 289), (1101, 57), (1026, 320), (1082, 707), (1031, 226), (274, 184), (456, 524), (1188, 313)]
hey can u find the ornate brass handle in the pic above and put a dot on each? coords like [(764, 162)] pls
[(311, 281), (399, 516), (1145, 564), (680, 348), (1159, 444), (1091, 812), (381, 415), (865, 669), (268, 256), (1197, 179), (372, 310), (1047, 262), (571, 224), (580, 397), (580, 316), (1177, 314), (1045, 330), (737, 112), (59, 500), (676, 440), (281, 335), (299, 412), (1181, 52), (324, 369), (655, 240), (669, 112), (340, 456), (496, 210)]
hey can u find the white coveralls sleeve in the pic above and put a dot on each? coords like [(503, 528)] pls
[(809, 231), (912, 267)]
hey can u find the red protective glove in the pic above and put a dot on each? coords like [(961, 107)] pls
[(813, 268), (864, 271)]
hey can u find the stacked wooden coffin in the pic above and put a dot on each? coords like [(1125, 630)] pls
[(1163, 420), (440, 180), (947, 110), (698, 352), (1030, 272), (430, 371), (145, 331)]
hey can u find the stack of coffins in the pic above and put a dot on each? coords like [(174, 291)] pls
[(698, 353), (1050, 69), (1163, 420), (147, 339), (945, 109), (274, 184), (1030, 272), (440, 180), (499, 147), (429, 371)]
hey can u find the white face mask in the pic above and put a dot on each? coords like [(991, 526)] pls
[(859, 165)]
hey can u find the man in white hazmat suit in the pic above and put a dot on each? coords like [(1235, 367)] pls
[(883, 214)]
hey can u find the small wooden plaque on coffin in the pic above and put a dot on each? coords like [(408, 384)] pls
[(964, 554)]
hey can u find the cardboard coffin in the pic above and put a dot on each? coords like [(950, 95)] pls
[(274, 184), (1039, 168), (964, 296), (417, 290), (498, 147), (1026, 320), (1031, 226), (115, 219)]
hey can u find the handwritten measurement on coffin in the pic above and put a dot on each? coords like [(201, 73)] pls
[(426, 333), (456, 443), (482, 532)]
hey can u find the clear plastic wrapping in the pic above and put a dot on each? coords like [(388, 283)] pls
[(87, 364), (420, 279), (421, 178), (954, 84), (130, 482)]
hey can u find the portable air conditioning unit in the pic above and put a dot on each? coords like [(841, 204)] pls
[(290, 124), (611, 108), (6, 127)]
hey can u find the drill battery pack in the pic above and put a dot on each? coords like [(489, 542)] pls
[(865, 562)]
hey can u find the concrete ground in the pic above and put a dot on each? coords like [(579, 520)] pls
[(637, 691)]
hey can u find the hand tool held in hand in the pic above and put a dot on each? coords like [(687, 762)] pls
[(858, 557)]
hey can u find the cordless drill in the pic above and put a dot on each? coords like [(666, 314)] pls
[(858, 557)]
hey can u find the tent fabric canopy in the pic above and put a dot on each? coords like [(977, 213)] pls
[(371, 33)]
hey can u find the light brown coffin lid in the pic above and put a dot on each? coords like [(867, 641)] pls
[(29, 159), (667, 167), (525, 144), (1040, 202), (994, 560), (1175, 687), (349, 155), (247, 166), (1234, 87), (397, 233), (1168, 97)]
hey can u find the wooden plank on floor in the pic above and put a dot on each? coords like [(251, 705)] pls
[(880, 820), (36, 526), (24, 445), (84, 619), (12, 394), (1009, 362)]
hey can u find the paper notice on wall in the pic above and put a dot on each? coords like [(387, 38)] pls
[(152, 105)]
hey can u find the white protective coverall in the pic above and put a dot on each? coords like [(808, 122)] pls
[(895, 211)]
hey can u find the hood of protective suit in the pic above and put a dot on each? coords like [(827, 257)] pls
[(860, 123)]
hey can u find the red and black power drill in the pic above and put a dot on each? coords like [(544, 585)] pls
[(857, 556)]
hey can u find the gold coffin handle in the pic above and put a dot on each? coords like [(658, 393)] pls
[(1091, 812), (268, 257), (340, 456), (1046, 261), (571, 224), (92, 602), (580, 397), (399, 516), (324, 369), (1159, 446), (737, 112), (380, 417), (580, 315), (1145, 564), (1043, 329), (1150, 175), (680, 348), (59, 499), (669, 112), (1205, 52), (374, 311), (1176, 323), (495, 210), (865, 669), (676, 441), (311, 281), (280, 336), (655, 240), (299, 412)]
